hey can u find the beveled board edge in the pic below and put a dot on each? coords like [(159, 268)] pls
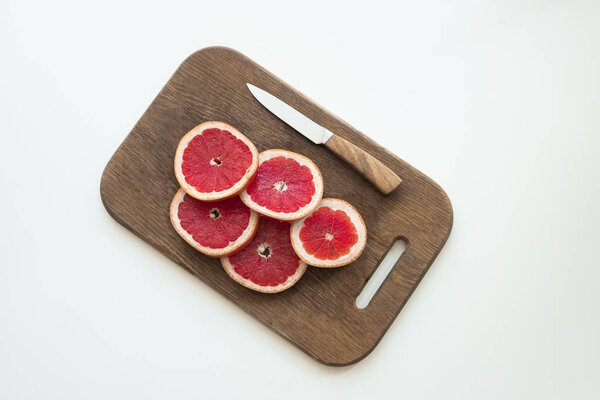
[(358, 138)]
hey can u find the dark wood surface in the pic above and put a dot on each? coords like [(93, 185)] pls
[(318, 314)]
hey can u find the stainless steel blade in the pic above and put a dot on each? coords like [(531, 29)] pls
[(294, 118)]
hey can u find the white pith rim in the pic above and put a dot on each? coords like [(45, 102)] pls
[(303, 211), (232, 247), (215, 195), (291, 280), (355, 251)]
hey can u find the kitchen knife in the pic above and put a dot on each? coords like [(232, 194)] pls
[(367, 165)]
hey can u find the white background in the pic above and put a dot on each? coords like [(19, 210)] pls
[(498, 101)]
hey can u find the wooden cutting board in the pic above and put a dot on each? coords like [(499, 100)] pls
[(318, 314)]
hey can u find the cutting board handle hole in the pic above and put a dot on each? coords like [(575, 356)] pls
[(381, 272)]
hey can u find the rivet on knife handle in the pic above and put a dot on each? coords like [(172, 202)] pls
[(371, 168)]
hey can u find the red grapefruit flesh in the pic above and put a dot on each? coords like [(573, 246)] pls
[(268, 263), (287, 186), (215, 161), (333, 235), (214, 228)]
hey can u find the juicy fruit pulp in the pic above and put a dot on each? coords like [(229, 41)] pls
[(214, 228), (268, 263), (333, 235), (282, 185), (287, 186), (215, 160), (214, 163), (213, 225), (328, 234)]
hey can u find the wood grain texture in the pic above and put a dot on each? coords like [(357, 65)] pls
[(364, 163), (318, 314)]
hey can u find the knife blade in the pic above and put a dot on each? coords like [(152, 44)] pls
[(381, 176)]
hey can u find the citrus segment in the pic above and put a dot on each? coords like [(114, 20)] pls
[(215, 161), (287, 186), (268, 263), (328, 234), (333, 235), (213, 228), (282, 185)]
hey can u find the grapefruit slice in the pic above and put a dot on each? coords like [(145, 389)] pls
[(215, 161), (268, 263), (213, 228), (333, 235), (287, 186)]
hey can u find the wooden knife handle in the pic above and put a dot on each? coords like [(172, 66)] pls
[(371, 168)]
